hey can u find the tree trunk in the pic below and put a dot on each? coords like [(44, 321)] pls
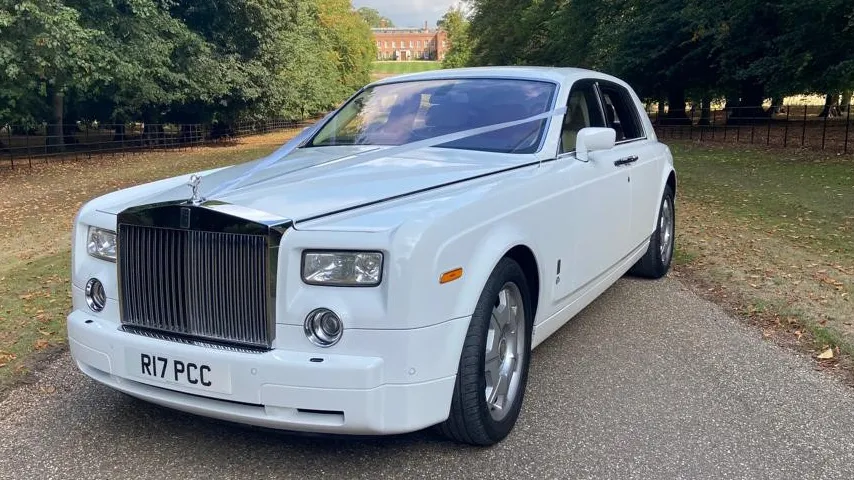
[(749, 109), (705, 111), (153, 134), (69, 132), (732, 102), (55, 133), (676, 113), (661, 109), (776, 105), (845, 104), (829, 109), (119, 132)]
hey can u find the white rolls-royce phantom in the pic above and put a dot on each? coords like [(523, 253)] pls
[(388, 270)]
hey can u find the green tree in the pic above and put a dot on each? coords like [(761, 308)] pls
[(44, 50), (189, 61), (675, 50), (500, 31), (280, 52), (817, 45), (655, 48), (156, 61), (350, 43), (742, 35), (456, 25), (373, 18)]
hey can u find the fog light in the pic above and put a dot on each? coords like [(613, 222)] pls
[(323, 327), (96, 297)]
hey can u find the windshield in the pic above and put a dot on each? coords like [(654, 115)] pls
[(400, 113)]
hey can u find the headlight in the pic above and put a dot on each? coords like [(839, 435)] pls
[(101, 243), (342, 269)]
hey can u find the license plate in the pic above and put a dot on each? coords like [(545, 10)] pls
[(187, 372)]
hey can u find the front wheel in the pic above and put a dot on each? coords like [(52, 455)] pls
[(656, 262), (493, 370)]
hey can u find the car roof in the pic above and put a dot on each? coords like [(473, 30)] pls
[(554, 74)]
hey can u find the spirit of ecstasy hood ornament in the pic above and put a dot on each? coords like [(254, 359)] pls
[(194, 182)]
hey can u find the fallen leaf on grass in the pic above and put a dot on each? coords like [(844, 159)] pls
[(41, 344), (846, 272), (825, 355)]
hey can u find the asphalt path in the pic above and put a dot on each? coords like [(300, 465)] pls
[(648, 382)]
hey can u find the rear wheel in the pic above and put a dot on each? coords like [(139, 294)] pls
[(493, 370), (656, 262)]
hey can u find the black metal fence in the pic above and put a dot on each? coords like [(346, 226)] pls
[(23, 146), (805, 126)]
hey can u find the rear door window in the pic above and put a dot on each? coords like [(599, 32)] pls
[(621, 113)]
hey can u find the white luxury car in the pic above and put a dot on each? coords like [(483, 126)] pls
[(391, 268)]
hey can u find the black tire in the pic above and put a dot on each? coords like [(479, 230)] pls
[(652, 265), (470, 420)]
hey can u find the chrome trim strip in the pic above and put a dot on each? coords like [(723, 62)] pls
[(158, 335), (630, 140)]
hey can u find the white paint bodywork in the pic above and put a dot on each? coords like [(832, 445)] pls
[(395, 367)]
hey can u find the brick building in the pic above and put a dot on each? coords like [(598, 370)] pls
[(410, 43)]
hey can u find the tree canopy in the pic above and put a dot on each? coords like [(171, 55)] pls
[(187, 61), (743, 50), (456, 25), (374, 19)]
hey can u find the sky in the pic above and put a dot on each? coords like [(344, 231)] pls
[(409, 13)]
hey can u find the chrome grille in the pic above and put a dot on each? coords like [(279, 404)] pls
[(199, 284)]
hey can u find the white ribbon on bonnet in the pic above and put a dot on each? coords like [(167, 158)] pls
[(372, 154)]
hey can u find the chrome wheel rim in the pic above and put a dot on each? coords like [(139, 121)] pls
[(505, 351), (665, 231)]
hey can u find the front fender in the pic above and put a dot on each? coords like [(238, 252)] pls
[(477, 254)]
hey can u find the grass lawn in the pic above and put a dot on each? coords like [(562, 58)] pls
[(772, 233), (38, 207), (396, 68)]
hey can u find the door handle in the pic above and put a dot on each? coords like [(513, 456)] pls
[(626, 160)]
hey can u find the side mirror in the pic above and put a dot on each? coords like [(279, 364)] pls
[(592, 139)]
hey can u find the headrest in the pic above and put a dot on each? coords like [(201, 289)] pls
[(610, 113)]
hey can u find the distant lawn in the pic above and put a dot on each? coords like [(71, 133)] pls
[(395, 68)]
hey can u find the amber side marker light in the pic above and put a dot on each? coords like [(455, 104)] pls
[(451, 275)]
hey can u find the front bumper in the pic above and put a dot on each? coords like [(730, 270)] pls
[(285, 389)]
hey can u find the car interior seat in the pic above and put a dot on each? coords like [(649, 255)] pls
[(444, 118), (576, 118)]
